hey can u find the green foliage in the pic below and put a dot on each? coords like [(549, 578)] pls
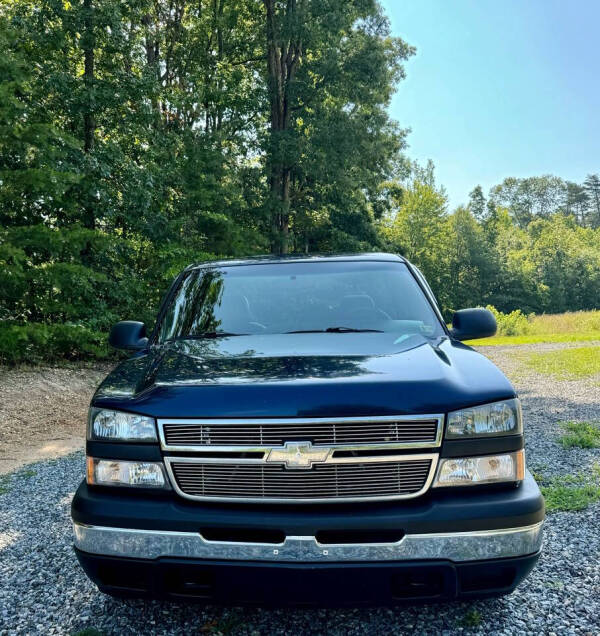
[(136, 138), (34, 343), (516, 323), (471, 619), (542, 197), (473, 259), (417, 229), (581, 435)]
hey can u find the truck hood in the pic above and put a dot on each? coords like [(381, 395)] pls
[(303, 375)]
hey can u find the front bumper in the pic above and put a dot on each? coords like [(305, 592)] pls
[(450, 545)]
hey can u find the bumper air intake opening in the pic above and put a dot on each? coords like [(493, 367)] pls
[(475, 578), (189, 582), (429, 582), (133, 579)]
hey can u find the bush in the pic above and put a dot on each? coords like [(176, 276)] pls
[(514, 324), (61, 289), (34, 343)]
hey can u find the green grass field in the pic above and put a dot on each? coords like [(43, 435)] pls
[(565, 364), (575, 326), (497, 341)]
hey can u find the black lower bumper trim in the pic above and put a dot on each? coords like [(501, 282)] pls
[(331, 584)]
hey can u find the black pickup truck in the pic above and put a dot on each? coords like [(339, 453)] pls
[(306, 431)]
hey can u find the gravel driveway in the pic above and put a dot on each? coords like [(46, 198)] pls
[(42, 589)]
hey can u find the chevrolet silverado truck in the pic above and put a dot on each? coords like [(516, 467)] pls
[(306, 431)]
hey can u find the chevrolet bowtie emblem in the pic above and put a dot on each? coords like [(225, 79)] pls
[(298, 455)]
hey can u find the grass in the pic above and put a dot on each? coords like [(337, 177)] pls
[(225, 625), (5, 485), (471, 619), (568, 322), (561, 498), (573, 326), (566, 364), (571, 493), (88, 631), (580, 435), (555, 584), (498, 341)]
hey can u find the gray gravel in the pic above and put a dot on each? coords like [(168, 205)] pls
[(43, 591)]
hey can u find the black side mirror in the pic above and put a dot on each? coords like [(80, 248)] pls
[(129, 335), (470, 324)]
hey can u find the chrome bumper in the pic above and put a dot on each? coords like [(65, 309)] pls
[(452, 546)]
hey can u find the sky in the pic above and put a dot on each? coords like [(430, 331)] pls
[(500, 89)]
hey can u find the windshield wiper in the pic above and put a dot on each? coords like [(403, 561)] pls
[(207, 335), (337, 330)]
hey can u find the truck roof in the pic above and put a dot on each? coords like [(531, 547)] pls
[(299, 258)]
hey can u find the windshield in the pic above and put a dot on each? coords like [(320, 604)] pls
[(335, 296)]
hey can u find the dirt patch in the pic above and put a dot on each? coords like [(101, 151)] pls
[(43, 411)]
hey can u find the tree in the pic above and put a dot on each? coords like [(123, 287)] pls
[(331, 70), (285, 38), (592, 187), (472, 266), (576, 201), (417, 229), (529, 198), (38, 160), (567, 259), (477, 202)]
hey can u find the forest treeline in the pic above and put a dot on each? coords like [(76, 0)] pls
[(485, 253), (139, 136)]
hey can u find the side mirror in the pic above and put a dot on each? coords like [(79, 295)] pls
[(129, 335), (470, 324)]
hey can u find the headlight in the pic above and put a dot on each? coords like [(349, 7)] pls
[(489, 420), (467, 471), (116, 425), (109, 472)]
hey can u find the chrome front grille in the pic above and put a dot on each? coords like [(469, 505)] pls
[(301, 459), (344, 481), (416, 431)]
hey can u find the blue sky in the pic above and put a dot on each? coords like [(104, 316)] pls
[(500, 89)]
